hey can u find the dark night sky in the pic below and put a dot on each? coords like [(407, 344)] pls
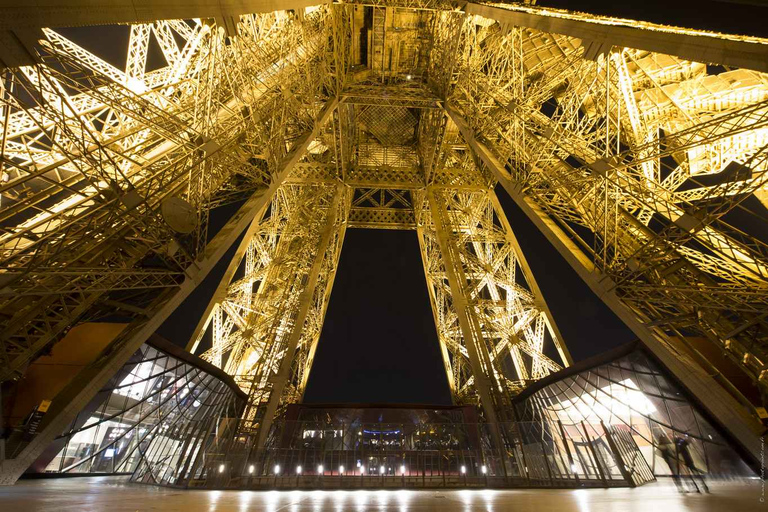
[(745, 17), (379, 342)]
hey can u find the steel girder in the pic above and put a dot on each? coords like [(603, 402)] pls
[(631, 162), (104, 155)]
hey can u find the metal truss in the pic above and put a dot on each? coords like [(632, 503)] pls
[(637, 157), (409, 93), (265, 330), (640, 166), (115, 172), (382, 208), (491, 319), (111, 174), (254, 328)]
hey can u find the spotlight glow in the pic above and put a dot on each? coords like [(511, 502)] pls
[(484, 469), (251, 468), (341, 469), (463, 469), (277, 469), (221, 468), (298, 470), (613, 403), (402, 469), (381, 470), (320, 469)]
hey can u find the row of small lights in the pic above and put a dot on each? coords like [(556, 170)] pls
[(341, 469)]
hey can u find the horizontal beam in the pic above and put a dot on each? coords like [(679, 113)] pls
[(396, 178), (390, 101), (21, 22), (382, 218), (697, 45), (75, 13)]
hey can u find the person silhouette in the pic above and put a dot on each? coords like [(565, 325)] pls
[(668, 452), (684, 450)]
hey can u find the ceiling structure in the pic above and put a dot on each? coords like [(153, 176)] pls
[(631, 146)]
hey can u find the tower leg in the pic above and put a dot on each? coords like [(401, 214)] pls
[(489, 315)]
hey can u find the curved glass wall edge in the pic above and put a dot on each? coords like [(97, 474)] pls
[(154, 420)]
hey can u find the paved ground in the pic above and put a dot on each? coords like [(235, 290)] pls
[(114, 494)]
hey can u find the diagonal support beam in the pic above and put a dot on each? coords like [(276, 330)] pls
[(305, 304), (292, 159), (562, 349), (473, 337), (701, 383), (436, 315), (76, 395), (310, 358)]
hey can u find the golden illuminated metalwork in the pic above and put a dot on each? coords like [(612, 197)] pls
[(638, 150)]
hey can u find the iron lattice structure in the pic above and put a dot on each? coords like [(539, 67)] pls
[(641, 161)]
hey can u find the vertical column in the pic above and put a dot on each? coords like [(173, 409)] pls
[(473, 339), (304, 306)]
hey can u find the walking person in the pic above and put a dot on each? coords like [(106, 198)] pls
[(684, 450), (668, 452)]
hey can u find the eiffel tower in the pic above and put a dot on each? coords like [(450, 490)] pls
[(630, 146)]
